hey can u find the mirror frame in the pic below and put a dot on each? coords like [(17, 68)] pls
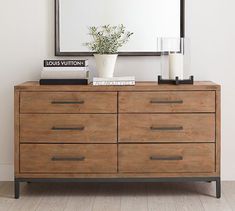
[(58, 52)]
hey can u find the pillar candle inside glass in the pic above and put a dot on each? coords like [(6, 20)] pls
[(176, 65)]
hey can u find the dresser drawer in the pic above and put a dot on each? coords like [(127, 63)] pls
[(68, 158), (68, 128), (171, 158), (169, 101), (68, 102), (166, 128)]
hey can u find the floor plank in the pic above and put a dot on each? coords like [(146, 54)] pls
[(55, 198), (31, 195), (186, 197), (173, 196), (108, 198), (198, 196), (206, 193), (159, 197), (6, 196), (228, 192), (81, 197), (134, 197)]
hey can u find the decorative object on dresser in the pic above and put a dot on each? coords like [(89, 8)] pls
[(106, 40), (65, 72), (115, 81), (141, 133), (147, 20), (175, 61)]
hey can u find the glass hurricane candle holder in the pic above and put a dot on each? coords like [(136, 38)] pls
[(175, 60)]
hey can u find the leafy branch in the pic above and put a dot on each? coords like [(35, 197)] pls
[(107, 39)]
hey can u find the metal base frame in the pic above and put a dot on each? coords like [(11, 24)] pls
[(176, 81), (116, 180)]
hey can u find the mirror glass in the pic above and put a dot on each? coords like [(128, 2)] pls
[(147, 19)]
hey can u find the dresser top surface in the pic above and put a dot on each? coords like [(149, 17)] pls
[(140, 86)]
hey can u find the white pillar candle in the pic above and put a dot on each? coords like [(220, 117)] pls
[(176, 65)]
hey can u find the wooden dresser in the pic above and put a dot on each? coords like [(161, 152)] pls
[(142, 133)]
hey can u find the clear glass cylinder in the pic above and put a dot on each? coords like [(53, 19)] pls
[(175, 58)]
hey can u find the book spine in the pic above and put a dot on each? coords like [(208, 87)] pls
[(64, 74), (64, 82), (113, 83), (119, 79), (58, 69), (65, 63)]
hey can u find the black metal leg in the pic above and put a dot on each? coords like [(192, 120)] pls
[(17, 189), (218, 188)]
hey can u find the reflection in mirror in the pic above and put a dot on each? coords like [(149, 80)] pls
[(148, 20)]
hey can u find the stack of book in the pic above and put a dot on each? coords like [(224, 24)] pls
[(115, 81), (65, 72)]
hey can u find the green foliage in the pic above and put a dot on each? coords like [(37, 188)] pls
[(107, 39)]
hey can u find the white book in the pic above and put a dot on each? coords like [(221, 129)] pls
[(126, 78), (115, 81), (65, 68), (64, 74)]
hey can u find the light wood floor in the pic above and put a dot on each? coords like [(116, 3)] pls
[(115, 197)]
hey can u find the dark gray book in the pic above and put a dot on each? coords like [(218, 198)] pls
[(64, 81)]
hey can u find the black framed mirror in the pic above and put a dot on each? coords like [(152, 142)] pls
[(166, 18)]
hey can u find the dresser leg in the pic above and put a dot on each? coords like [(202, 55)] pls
[(17, 189), (218, 188)]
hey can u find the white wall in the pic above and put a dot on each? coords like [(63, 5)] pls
[(27, 37)]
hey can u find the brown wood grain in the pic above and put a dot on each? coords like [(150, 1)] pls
[(140, 86), (98, 128), (118, 175), (218, 131), (199, 115), (147, 102), (195, 128), (97, 158), (16, 131), (42, 102), (195, 158)]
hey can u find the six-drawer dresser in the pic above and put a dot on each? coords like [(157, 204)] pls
[(142, 133)]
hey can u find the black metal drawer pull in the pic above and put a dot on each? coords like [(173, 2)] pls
[(155, 157), (82, 158), (68, 102), (68, 128), (166, 128), (166, 101)]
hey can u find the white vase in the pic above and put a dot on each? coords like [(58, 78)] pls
[(105, 64)]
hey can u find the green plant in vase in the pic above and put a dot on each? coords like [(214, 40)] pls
[(105, 43)]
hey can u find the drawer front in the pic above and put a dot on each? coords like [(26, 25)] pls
[(68, 128), (166, 128), (170, 101), (169, 158), (68, 102), (68, 158)]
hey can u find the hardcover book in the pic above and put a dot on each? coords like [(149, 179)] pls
[(64, 81), (60, 74), (65, 68), (115, 81), (65, 63)]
